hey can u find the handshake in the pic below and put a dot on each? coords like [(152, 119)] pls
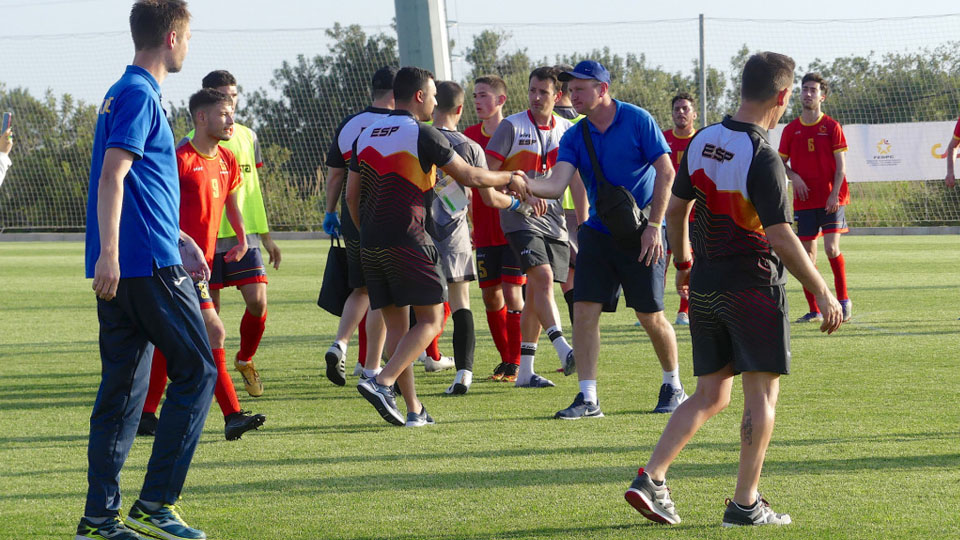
[(520, 192)]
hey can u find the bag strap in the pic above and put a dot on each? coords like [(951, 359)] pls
[(597, 171), (337, 239)]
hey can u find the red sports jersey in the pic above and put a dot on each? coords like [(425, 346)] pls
[(956, 130), (811, 150), (486, 220), (678, 145), (205, 182)]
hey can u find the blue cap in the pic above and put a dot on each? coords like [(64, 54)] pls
[(587, 69)]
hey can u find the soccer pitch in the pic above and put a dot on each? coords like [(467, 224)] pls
[(867, 443)]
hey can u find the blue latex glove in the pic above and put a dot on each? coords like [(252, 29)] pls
[(331, 224)]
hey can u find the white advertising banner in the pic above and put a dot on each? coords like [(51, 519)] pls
[(889, 152)]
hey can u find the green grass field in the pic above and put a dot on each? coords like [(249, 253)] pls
[(867, 443)]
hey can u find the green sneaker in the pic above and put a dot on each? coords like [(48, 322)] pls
[(112, 529), (164, 523)]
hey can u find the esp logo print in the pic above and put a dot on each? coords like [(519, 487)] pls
[(384, 131), (711, 151)]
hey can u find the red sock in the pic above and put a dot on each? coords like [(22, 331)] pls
[(684, 305), (513, 336), (158, 382), (362, 337), (251, 331), (811, 301), (497, 321), (224, 391), (433, 350), (839, 268)]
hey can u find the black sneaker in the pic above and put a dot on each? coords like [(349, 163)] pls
[(382, 398), (418, 420), (536, 381), (580, 409), (569, 364), (651, 500), (336, 365), (148, 424), (237, 424), (760, 514), (112, 529), (670, 398)]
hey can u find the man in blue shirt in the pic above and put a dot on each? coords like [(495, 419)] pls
[(145, 296), (632, 153)]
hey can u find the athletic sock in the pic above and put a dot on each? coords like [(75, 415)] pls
[(362, 339), (839, 268), (251, 332), (527, 353), (684, 305), (513, 336), (672, 378), (433, 349), (589, 390), (811, 301), (371, 373), (223, 390), (568, 298), (559, 342), (497, 321), (464, 339), (158, 382)]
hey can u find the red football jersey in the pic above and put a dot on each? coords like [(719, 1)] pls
[(205, 182), (811, 151), (678, 145), (956, 130), (486, 220)]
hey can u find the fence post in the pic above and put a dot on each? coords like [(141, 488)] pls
[(422, 36), (703, 79)]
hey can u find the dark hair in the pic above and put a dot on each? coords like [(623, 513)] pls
[(546, 73), (409, 81), (682, 95), (218, 78), (494, 82), (560, 69), (765, 74), (206, 97), (817, 78), (152, 20), (449, 96), (382, 82)]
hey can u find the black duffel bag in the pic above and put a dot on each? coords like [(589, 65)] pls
[(335, 288)]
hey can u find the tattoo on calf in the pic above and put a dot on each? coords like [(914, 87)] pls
[(746, 429)]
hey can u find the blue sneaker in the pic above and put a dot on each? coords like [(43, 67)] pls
[(163, 523), (579, 409), (570, 364), (536, 381), (382, 398), (670, 398), (112, 529), (847, 307), (419, 420), (813, 316)]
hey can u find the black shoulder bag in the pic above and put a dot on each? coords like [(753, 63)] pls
[(615, 205)]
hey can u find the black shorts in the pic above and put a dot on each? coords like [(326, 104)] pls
[(815, 222), (355, 278), (403, 276), (748, 328), (498, 264), (249, 269), (533, 249), (602, 268), (572, 226)]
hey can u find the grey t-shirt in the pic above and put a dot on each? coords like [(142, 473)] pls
[(523, 145), (447, 220)]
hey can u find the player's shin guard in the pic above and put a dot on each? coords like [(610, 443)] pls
[(225, 393), (513, 336), (497, 321), (251, 332), (158, 382), (464, 339), (839, 268), (811, 301)]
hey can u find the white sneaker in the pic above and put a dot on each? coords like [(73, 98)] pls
[(683, 319), (431, 365), (358, 370), (461, 382), (421, 359)]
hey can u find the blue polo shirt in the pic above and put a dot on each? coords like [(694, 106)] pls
[(626, 152), (131, 117)]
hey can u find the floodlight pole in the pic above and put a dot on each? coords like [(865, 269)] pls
[(422, 37), (703, 79)]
